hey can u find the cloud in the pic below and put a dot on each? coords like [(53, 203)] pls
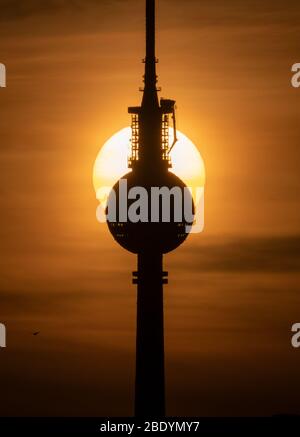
[(15, 9), (199, 15), (246, 254)]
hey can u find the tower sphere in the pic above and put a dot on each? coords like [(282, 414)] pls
[(163, 235)]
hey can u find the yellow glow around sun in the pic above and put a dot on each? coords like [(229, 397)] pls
[(112, 161)]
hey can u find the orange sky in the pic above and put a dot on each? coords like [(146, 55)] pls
[(72, 70)]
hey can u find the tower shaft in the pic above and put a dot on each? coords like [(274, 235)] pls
[(150, 376), (150, 163)]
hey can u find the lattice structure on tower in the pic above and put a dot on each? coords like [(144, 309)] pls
[(165, 138), (134, 155)]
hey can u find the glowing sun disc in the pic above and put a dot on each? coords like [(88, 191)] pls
[(112, 161)]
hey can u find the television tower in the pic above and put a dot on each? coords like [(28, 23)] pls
[(150, 163)]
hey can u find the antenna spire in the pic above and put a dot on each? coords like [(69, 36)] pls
[(150, 79), (150, 30)]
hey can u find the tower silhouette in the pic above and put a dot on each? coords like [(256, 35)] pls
[(150, 163)]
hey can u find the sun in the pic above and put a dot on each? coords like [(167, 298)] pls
[(112, 162)]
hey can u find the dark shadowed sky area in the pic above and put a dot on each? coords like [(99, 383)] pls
[(73, 68)]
